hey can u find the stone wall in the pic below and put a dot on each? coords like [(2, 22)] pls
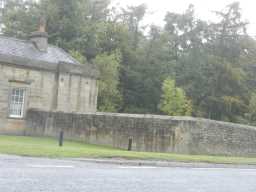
[(149, 133)]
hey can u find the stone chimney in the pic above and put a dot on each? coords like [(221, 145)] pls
[(40, 37)]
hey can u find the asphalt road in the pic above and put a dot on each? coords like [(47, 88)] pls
[(22, 174)]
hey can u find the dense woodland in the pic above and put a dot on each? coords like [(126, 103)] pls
[(188, 67)]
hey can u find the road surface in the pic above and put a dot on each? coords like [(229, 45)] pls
[(23, 174)]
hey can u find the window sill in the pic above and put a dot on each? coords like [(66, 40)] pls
[(16, 118)]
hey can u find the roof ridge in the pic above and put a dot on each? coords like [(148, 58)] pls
[(25, 40), (14, 38)]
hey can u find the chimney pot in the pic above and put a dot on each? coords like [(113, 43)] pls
[(40, 37), (42, 25)]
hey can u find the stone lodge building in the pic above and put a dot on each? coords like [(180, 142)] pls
[(35, 75)]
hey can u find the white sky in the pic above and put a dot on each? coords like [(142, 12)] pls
[(203, 8)]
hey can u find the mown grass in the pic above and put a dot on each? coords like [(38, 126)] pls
[(48, 147)]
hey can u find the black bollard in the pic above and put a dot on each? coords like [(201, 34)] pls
[(61, 137), (130, 144)]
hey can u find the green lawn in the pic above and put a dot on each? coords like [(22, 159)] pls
[(48, 147)]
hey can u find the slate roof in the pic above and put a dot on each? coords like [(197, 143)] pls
[(23, 53), (24, 49)]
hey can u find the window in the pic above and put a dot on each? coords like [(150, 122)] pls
[(2, 4), (17, 102)]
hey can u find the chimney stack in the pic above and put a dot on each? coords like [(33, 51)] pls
[(40, 37)]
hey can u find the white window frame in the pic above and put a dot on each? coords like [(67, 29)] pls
[(17, 102)]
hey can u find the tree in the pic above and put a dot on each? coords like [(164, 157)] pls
[(132, 17), (174, 101), (228, 33), (228, 98), (109, 98), (20, 18), (132, 54), (78, 56), (252, 109), (208, 65)]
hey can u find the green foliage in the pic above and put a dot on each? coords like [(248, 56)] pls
[(109, 98), (174, 101), (251, 116), (20, 18), (78, 56)]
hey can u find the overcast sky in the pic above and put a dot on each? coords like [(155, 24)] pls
[(203, 8)]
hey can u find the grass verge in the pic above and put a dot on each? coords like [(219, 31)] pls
[(48, 147)]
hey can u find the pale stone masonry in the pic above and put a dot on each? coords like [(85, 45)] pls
[(35, 75), (153, 133)]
